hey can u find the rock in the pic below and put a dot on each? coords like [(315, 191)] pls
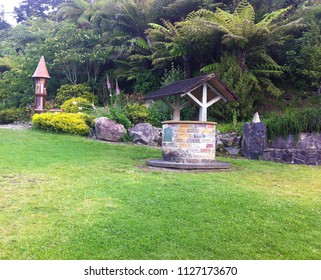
[(237, 141), (219, 144), (92, 133), (145, 133), (109, 130), (233, 151), (227, 138), (256, 118), (254, 140)]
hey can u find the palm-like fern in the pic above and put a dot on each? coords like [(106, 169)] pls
[(241, 33), (78, 11), (247, 40)]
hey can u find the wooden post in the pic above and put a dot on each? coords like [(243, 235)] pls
[(203, 107), (176, 108)]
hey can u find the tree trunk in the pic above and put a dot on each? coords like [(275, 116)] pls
[(241, 57), (187, 67)]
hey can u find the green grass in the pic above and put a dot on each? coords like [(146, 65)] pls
[(65, 197)]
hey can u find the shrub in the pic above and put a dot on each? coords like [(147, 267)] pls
[(137, 113), (119, 116), (231, 127), (67, 92), (62, 122), (294, 122), (76, 105), (159, 112), (146, 82), (172, 75), (12, 115)]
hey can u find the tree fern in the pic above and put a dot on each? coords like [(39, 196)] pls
[(244, 11)]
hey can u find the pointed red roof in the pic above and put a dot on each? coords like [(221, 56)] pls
[(41, 71)]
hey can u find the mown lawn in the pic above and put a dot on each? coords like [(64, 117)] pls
[(65, 197)]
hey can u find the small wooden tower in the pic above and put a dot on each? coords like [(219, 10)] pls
[(40, 76)]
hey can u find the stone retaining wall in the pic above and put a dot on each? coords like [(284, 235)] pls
[(188, 142), (294, 156), (305, 149)]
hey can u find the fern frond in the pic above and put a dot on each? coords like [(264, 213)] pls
[(269, 18), (245, 11)]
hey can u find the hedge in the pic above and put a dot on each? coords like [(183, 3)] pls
[(62, 122)]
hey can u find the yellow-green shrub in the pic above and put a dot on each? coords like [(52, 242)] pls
[(137, 113), (75, 105), (62, 122)]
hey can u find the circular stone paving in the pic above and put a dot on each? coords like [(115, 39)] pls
[(188, 166)]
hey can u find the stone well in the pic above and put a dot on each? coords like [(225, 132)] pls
[(188, 145), (188, 142)]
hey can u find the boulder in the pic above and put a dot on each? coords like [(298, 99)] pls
[(254, 140), (109, 130), (145, 133), (228, 139), (233, 151)]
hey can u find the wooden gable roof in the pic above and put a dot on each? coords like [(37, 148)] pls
[(189, 85)]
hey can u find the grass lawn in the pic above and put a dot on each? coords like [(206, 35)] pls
[(65, 197)]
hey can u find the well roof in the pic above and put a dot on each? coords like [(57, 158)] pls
[(41, 71), (191, 84)]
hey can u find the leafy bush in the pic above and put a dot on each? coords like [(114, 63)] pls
[(12, 115), (172, 75), (119, 115), (159, 112), (67, 92), (75, 105), (230, 127), (146, 82), (137, 113), (243, 83), (62, 122), (294, 122)]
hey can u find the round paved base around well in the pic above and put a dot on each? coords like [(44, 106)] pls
[(189, 166)]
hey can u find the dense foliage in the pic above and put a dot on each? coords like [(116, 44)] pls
[(256, 47), (294, 122), (76, 105), (12, 115), (62, 122)]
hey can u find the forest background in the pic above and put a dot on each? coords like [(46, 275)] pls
[(268, 52)]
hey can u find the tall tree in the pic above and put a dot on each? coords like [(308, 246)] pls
[(35, 8), (77, 11), (247, 40)]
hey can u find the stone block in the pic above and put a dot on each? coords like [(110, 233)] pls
[(207, 130), (207, 140), (193, 130), (193, 160), (193, 140), (199, 135), (206, 150), (183, 135), (182, 130)]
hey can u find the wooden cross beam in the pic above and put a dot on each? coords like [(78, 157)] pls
[(176, 106), (204, 104)]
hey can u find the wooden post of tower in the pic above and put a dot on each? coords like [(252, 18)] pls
[(40, 77)]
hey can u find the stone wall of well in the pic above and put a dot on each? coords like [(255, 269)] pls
[(188, 142)]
